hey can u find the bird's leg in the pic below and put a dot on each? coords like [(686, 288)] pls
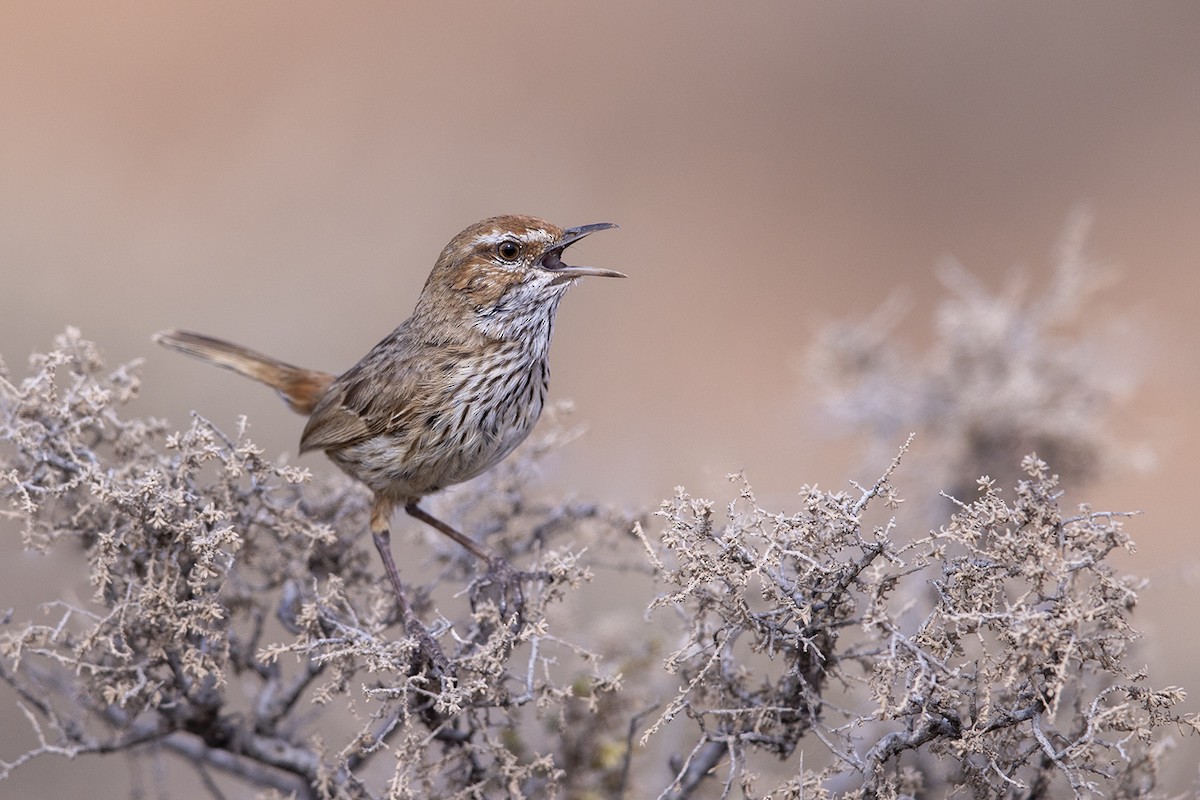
[(380, 532), (498, 567)]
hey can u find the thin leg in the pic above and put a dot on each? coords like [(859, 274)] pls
[(383, 543), (476, 549), (500, 571)]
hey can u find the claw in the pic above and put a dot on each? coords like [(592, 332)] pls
[(509, 595), (427, 647)]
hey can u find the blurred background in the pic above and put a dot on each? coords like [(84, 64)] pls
[(284, 175)]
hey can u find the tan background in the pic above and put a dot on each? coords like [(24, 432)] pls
[(285, 173)]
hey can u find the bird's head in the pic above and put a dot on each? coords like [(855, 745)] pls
[(507, 270)]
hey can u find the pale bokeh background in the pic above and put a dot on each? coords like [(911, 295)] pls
[(284, 174)]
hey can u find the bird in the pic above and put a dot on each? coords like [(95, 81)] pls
[(446, 395)]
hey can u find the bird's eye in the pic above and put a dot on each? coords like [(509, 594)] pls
[(508, 250)]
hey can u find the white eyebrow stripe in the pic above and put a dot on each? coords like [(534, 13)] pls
[(495, 237)]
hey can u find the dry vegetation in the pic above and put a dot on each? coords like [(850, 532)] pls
[(238, 623)]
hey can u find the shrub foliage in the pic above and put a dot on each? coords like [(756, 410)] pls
[(238, 623)]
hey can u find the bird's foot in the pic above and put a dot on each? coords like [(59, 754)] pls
[(502, 585), (428, 650), (505, 585)]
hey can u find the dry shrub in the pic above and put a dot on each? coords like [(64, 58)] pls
[(219, 576), (239, 623), (997, 644), (1008, 373)]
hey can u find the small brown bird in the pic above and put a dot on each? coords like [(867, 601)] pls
[(446, 395)]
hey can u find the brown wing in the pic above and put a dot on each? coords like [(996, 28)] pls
[(377, 395)]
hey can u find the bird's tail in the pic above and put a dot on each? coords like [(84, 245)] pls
[(300, 388)]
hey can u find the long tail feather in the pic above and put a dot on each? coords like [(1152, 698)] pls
[(300, 388)]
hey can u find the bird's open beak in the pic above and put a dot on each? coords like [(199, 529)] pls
[(552, 260)]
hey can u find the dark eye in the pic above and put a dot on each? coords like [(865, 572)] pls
[(508, 250)]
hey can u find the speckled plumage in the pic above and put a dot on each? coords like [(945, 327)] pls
[(453, 389)]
